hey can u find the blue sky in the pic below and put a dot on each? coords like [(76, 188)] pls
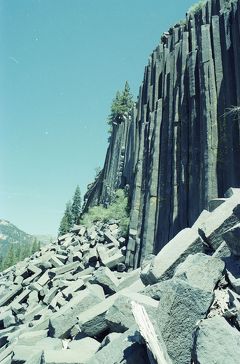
[(61, 63)]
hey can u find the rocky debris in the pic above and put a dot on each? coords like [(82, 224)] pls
[(216, 341), (43, 300), (80, 311)]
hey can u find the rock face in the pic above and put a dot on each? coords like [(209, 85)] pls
[(179, 150)]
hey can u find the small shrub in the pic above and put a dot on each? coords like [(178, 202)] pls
[(227, 6), (196, 7), (118, 210)]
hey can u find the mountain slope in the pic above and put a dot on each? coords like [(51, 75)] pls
[(10, 234)]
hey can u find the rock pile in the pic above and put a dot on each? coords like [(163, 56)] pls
[(72, 301)]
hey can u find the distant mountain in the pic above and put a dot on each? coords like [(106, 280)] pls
[(45, 239), (10, 234)]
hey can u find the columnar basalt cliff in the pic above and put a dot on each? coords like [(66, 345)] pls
[(181, 148), (78, 300)]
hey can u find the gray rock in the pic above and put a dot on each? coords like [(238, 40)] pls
[(154, 291), (181, 307), (216, 341), (109, 338), (201, 271), (61, 357), (105, 278), (216, 202), (85, 347), (222, 251), (23, 353), (175, 252), (224, 218), (50, 343), (31, 338), (7, 319), (125, 349), (64, 319), (232, 238), (120, 318)]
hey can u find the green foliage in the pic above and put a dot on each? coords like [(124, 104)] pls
[(196, 7), (227, 6), (18, 252), (76, 205), (72, 213), (67, 220), (121, 106), (118, 210)]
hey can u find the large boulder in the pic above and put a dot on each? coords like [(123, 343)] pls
[(181, 307), (105, 278), (232, 238), (225, 217), (175, 252), (201, 271), (125, 349), (216, 342), (63, 320), (120, 318)]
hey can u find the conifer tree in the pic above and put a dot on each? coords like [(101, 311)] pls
[(76, 205), (10, 258), (35, 246), (67, 220), (121, 106)]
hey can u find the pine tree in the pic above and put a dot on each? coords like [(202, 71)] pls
[(67, 220), (76, 205), (10, 258), (121, 107), (35, 246)]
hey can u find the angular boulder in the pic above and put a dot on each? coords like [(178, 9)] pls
[(216, 341), (175, 252), (181, 307), (222, 219), (201, 271), (232, 238)]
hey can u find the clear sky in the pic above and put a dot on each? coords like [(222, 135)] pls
[(61, 63)]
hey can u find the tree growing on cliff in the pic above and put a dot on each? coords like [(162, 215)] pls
[(76, 205), (121, 107)]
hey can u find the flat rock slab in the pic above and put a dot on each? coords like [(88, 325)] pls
[(181, 307), (225, 217), (86, 347), (175, 252), (232, 238), (120, 318), (216, 342), (201, 271), (62, 357), (24, 353), (63, 320), (105, 278)]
